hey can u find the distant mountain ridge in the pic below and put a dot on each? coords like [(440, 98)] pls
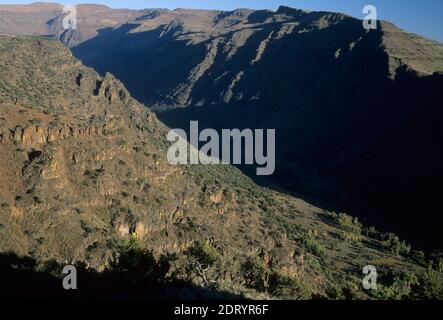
[(46, 19)]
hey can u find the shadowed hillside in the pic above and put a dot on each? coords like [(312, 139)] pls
[(22, 278), (86, 181), (356, 112)]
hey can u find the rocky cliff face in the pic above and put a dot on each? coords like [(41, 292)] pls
[(333, 91), (212, 49), (83, 168), (83, 164), (46, 19)]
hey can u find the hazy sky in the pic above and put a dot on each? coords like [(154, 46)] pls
[(419, 16)]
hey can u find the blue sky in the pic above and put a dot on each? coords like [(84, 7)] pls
[(419, 16)]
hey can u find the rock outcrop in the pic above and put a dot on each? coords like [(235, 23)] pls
[(333, 91)]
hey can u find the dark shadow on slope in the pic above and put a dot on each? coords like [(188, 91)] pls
[(127, 54), (21, 281), (389, 176), (348, 137), (385, 167)]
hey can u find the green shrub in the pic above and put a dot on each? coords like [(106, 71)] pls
[(202, 257), (311, 245), (137, 264), (436, 259), (287, 288), (418, 257), (350, 237), (394, 286), (334, 293), (395, 246), (331, 214), (373, 233), (203, 252), (258, 276), (255, 273), (429, 285), (349, 224), (425, 285)]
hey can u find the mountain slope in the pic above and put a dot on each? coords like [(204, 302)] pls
[(46, 19), (355, 111), (84, 169), (228, 50)]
